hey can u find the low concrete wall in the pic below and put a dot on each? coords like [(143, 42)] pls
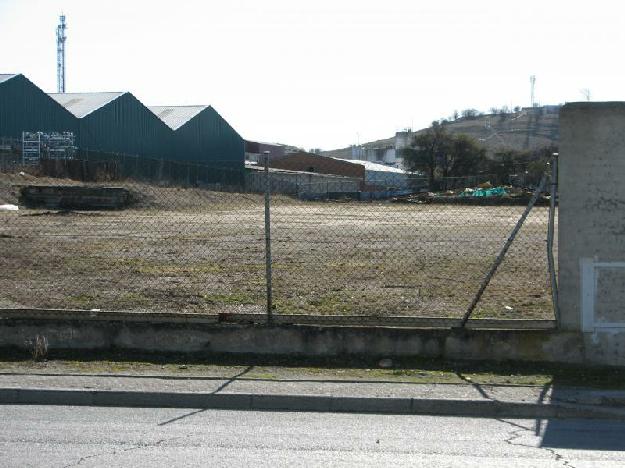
[(205, 338), (605, 347), (299, 183), (74, 197)]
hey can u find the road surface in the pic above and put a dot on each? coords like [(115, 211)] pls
[(58, 436)]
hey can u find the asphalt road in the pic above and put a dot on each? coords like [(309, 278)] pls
[(56, 436)]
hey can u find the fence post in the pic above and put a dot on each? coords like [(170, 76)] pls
[(268, 269), (550, 235), (505, 248)]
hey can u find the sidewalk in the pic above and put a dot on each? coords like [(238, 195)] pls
[(303, 393)]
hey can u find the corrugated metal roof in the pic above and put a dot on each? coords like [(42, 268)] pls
[(5, 77), (176, 116), (371, 166), (256, 167), (265, 143), (82, 104)]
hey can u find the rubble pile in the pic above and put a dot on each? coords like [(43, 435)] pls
[(485, 192)]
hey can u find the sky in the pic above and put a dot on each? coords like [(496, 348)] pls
[(324, 73)]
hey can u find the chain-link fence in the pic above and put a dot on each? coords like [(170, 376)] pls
[(385, 253), (116, 232)]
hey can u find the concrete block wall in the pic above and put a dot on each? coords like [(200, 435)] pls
[(297, 183), (591, 248)]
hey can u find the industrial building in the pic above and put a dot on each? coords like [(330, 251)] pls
[(202, 135), (305, 185), (382, 175), (309, 162), (255, 151), (373, 177), (117, 123), (26, 108)]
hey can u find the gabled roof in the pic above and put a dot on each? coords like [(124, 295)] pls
[(5, 77), (82, 104), (176, 116), (264, 143), (371, 166)]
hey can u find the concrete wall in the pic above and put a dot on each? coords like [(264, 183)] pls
[(205, 338), (299, 183), (383, 155), (74, 197), (591, 248), (395, 180), (403, 139), (378, 155)]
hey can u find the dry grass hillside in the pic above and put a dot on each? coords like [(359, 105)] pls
[(519, 131)]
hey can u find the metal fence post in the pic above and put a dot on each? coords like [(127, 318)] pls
[(502, 253), (550, 237), (268, 269)]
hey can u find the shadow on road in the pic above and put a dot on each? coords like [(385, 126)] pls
[(580, 434), (586, 434), (221, 387), (575, 434)]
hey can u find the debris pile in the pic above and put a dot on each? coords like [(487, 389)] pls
[(419, 198), (484, 193)]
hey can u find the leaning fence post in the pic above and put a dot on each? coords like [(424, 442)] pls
[(268, 270), (505, 248), (550, 237)]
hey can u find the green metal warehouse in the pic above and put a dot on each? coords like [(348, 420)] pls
[(202, 135), (25, 107), (117, 123)]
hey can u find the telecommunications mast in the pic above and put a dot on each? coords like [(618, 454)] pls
[(60, 55)]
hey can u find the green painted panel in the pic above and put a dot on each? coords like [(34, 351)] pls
[(126, 126), (25, 107), (208, 139)]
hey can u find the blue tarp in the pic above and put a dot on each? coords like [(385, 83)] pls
[(483, 192)]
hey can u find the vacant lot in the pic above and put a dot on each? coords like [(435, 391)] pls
[(200, 251)]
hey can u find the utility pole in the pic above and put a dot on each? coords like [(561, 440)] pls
[(60, 55)]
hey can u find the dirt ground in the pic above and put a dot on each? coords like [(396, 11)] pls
[(194, 250)]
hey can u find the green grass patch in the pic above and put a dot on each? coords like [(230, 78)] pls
[(350, 368)]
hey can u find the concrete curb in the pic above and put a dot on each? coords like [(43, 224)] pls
[(312, 403)]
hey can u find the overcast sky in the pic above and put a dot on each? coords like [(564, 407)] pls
[(324, 73)]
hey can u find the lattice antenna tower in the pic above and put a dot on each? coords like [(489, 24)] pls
[(532, 88), (60, 55)]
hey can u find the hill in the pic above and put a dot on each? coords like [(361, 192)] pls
[(529, 129)]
